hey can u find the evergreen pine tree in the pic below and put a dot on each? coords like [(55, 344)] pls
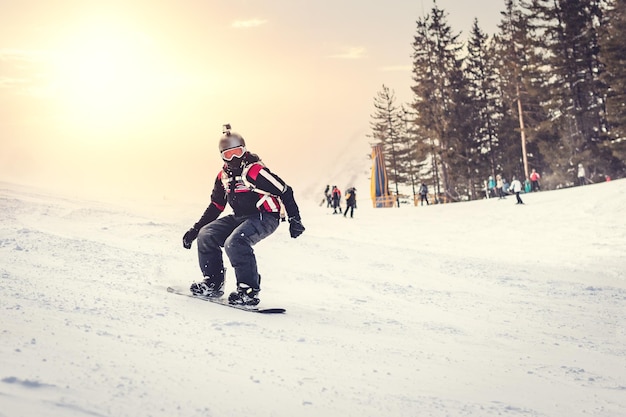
[(519, 66), (387, 127), (410, 159), (485, 110), (437, 77), (613, 57), (570, 37)]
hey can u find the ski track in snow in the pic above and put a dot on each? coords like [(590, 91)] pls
[(471, 309)]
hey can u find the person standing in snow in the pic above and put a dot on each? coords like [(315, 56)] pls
[(423, 194), (500, 186), (534, 180), (350, 201), (326, 198), (254, 193), (491, 186), (336, 196), (582, 180), (516, 188)]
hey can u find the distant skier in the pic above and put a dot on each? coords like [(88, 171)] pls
[(253, 193), (491, 186), (350, 201), (500, 186), (516, 188), (423, 194), (534, 180), (336, 196), (326, 198), (582, 180)]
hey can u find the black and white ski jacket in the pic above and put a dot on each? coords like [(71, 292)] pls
[(249, 189)]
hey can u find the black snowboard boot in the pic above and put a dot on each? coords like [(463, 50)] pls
[(245, 295), (212, 286)]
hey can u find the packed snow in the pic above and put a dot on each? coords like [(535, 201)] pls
[(482, 308)]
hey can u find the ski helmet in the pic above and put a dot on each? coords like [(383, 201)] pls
[(231, 140)]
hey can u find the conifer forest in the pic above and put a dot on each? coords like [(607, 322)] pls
[(546, 92)]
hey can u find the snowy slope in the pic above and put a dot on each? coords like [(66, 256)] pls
[(472, 309)]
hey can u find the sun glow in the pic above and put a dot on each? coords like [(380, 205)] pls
[(108, 76)]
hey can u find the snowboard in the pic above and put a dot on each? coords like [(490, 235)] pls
[(224, 302)]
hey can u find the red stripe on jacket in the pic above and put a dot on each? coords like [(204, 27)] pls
[(254, 170)]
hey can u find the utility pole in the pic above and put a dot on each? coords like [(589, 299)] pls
[(393, 158), (406, 131), (522, 130)]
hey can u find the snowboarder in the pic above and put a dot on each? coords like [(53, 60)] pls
[(254, 193), (350, 201)]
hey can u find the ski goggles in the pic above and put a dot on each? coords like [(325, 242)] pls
[(237, 152)]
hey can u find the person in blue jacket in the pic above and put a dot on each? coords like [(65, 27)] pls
[(491, 186)]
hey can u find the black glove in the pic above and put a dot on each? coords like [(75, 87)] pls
[(189, 237), (295, 227)]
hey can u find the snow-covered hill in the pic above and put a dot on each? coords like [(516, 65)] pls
[(472, 309)]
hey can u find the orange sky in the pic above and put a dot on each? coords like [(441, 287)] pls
[(127, 98)]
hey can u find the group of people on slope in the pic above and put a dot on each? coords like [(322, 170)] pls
[(581, 176), (500, 188), (332, 197)]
